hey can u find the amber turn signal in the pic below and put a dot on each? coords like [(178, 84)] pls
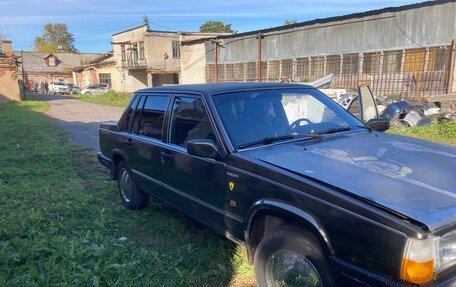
[(417, 272)]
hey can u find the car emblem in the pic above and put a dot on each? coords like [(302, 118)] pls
[(231, 185)]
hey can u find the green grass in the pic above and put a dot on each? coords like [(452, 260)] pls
[(443, 132), (61, 220), (112, 98)]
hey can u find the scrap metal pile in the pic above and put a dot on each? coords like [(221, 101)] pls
[(405, 113)]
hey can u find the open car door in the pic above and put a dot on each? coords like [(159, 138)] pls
[(365, 109)]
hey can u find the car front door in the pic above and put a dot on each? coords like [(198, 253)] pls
[(196, 185)]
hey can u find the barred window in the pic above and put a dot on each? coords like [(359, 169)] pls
[(273, 71), (350, 64), (333, 64), (371, 63), (251, 71), (239, 72), (392, 62), (287, 69), (302, 69), (414, 60)]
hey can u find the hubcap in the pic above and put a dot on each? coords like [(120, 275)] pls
[(125, 185), (287, 268)]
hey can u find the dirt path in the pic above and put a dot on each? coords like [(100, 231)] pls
[(80, 119)]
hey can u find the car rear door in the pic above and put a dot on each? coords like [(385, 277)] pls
[(194, 184), (144, 142)]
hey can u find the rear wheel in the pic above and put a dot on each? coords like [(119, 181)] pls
[(291, 257), (132, 197), (87, 93)]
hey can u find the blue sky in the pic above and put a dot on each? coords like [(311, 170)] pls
[(92, 22)]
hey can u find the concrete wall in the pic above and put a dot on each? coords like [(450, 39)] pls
[(426, 26), (193, 63), (156, 45)]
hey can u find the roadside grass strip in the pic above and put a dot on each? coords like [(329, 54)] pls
[(111, 98), (62, 223), (437, 132)]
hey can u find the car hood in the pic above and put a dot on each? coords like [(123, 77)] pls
[(409, 176)]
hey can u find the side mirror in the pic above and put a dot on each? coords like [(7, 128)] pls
[(378, 124), (202, 148)]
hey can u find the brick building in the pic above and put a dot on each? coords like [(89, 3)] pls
[(48, 67), (9, 88)]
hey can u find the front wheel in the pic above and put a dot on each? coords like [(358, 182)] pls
[(291, 257), (132, 197)]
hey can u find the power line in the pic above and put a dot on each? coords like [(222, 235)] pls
[(92, 35)]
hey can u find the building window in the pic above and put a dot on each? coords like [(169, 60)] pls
[(392, 62), (122, 49), (414, 60), (105, 78), (333, 64), (51, 62), (176, 50), (302, 69), (273, 71), (371, 63), (141, 50), (350, 64)]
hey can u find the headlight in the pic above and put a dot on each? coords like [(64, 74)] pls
[(446, 247), (422, 259)]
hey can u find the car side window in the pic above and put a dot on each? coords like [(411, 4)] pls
[(189, 120), (137, 115), (127, 115), (153, 114)]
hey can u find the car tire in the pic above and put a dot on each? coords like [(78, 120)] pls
[(292, 256), (132, 197), (87, 93)]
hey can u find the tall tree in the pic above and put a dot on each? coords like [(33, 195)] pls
[(290, 22), (55, 38), (216, 27)]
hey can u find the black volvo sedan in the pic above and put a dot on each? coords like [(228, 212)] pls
[(318, 197)]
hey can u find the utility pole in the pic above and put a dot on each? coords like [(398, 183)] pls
[(216, 45), (259, 56)]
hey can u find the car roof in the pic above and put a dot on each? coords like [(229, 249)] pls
[(219, 88)]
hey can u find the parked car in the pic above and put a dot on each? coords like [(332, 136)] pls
[(58, 88), (318, 197), (96, 89), (73, 89)]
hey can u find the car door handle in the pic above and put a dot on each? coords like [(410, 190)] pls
[(166, 156), (129, 142)]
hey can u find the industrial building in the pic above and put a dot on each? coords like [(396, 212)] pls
[(407, 50)]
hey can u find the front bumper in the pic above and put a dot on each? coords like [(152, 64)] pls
[(356, 276)]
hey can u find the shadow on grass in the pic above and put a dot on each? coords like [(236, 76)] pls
[(63, 224)]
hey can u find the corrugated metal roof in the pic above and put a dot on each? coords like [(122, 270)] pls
[(35, 61), (340, 18)]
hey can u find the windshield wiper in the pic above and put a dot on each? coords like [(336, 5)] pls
[(333, 130), (269, 140)]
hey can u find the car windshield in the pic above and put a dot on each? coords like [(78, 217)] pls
[(261, 116)]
